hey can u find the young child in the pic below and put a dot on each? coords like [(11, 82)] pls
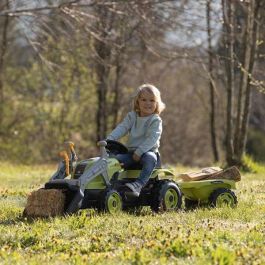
[(144, 126)]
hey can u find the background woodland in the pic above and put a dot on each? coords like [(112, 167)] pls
[(68, 70)]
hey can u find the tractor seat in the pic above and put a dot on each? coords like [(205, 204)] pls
[(138, 166)]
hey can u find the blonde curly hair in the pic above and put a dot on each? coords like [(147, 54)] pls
[(160, 106)]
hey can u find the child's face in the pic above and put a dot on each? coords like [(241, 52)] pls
[(147, 103)]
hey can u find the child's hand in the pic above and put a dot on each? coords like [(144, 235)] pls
[(136, 157)]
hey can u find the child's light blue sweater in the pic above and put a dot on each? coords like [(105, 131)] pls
[(144, 132)]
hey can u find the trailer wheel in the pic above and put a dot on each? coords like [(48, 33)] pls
[(190, 204), (111, 202), (223, 197), (167, 197)]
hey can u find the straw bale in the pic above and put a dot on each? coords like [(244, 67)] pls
[(45, 203)]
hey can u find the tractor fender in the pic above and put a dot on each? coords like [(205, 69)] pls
[(162, 173)]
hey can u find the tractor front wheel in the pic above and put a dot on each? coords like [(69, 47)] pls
[(167, 197), (223, 197), (111, 202)]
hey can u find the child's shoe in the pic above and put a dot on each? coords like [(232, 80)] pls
[(135, 187)]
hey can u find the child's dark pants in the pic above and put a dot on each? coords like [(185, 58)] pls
[(148, 160)]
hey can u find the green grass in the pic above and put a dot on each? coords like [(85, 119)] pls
[(203, 236)]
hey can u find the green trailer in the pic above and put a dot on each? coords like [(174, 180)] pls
[(212, 192)]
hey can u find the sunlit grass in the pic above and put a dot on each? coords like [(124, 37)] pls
[(202, 236)]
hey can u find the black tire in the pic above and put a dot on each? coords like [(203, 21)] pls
[(111, 202), (190, 204), (223, 196), (167, 197)]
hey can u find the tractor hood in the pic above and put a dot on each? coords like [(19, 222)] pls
[(97, 183)]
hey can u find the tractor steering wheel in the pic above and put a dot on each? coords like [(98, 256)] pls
[(115, 147)]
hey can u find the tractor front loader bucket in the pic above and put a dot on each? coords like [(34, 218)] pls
[(73, 194), (58, 197)]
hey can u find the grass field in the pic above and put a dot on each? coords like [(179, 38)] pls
[(203, 236)]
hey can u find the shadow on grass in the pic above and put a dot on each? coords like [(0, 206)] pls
[(24, 219), (16, 220)]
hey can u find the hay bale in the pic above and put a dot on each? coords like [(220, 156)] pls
[(45, 203)]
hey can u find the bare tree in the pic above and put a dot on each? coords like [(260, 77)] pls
[(242, 58), (3, 49), (251, 33), (228, 17), (211, 85)]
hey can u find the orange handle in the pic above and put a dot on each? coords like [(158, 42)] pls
[(65, 157), (71, 145)]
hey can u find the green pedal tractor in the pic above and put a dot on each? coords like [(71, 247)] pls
[(100, 183)]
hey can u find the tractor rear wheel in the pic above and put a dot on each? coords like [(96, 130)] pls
[(223, 197), (111, 202), (167, 197)]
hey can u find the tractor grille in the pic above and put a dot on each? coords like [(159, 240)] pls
[(79, 170)]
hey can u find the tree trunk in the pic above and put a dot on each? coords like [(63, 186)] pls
[(211, 87), (2, 56), (102, 68), (115, 108), (229, 41), (102, 71), (244, 47)]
